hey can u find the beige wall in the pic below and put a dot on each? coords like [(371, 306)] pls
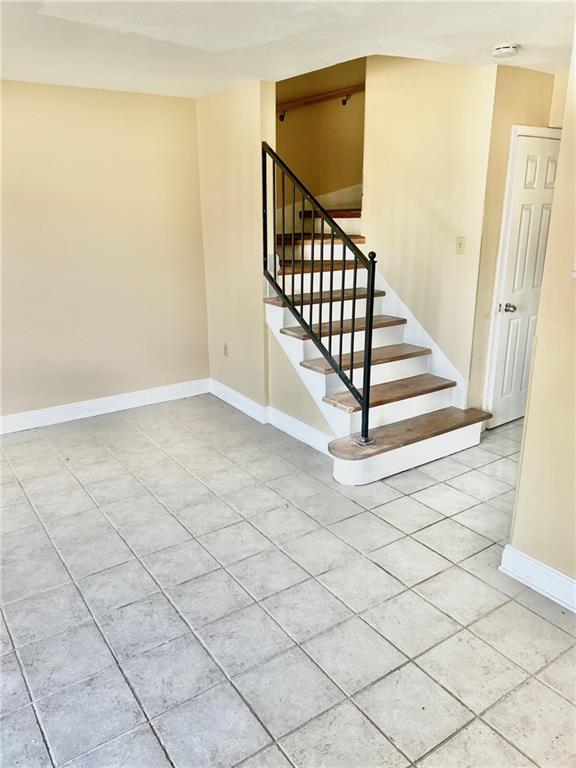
[(103, 281), (545, 514), (558, 100), (323, 143), (426, 146), (230, 132), (288, 393), (522, 97)]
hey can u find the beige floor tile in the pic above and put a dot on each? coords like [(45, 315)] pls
[(341, 738), (473, 671), (537, 721), (413, 711), (460, 595), (485, 566), (366, 532), (445, 499), (407, 514), (474, 457), (410, 481), (319, 551), (409, 561), (527, 639), (486, 520), (476, 746), (503, 469), (443, 469), (410, 623), (353, 654), (561, 675), (452, 540), (479, 485), (361, 584), (549, 610)]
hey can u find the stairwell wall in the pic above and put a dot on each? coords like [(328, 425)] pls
[(230, 132), (231, 128), (426, 144)]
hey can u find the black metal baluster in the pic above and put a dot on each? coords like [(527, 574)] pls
[(342, 284), (312, 262), (293, 235), (302, 256), (283, 233), (365, 438), (274, 220), (330, 307), (265, 211), (321, 277), (355, 278)]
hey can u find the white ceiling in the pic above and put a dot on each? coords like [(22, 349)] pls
[(193, 48)]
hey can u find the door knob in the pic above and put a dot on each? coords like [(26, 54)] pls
[(510, 307)]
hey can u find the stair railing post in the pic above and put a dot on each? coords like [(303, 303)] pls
[(265, 210), (365, 438)]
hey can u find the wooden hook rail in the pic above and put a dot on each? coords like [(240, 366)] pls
[(340, 93)]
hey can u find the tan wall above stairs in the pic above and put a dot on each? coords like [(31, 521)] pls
[(323, 143), (427, 133)]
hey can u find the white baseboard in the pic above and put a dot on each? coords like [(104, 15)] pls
[(540, 577), (238, 400), (57, 414), (306, 434), (267, 414)]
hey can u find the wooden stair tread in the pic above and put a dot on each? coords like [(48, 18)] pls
[(337, 213), (327, 238), (406, 432), (391, 391), (388, 354), (316, 298), (308, 266), (380, 321)]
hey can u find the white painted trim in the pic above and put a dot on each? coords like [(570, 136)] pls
[(267, 414), (517, 132), (303, 432), (16, 422), (57, 414), (540, 577), (238, 400)]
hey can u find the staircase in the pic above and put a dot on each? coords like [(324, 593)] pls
[(391, 396)]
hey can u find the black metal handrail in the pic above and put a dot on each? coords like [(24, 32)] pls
[(282, 194)]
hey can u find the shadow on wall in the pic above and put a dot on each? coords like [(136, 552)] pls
[(323, 142)]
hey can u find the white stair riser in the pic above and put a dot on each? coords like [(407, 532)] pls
[(380, 374), (404, 409), (414, 455), (381, 337), (337, 312), (322, 251), (347, 423), (341, 278), (349, 225)]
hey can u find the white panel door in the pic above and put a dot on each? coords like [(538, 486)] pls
[(530, 191)]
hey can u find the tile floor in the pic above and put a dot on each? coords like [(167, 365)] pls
[(182, 586)]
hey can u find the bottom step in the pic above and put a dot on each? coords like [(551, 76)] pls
[(406, 444)]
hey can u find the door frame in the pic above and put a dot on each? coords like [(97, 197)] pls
[(517, 132)]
